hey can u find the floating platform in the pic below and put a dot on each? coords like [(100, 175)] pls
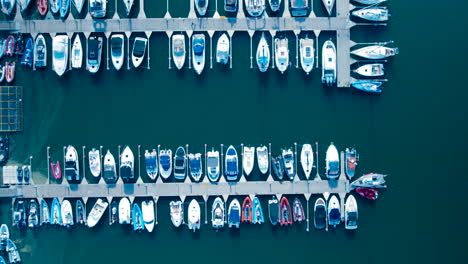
[(11, 107)]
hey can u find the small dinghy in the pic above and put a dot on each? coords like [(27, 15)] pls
[(93, 59), (195, 166), (96, 212), (137, 217), (178, 50), (288, 160), (263, 54), (222, 49), (278, 167), (307, 54), (7, 6), (212, 165), (72, 167), (332, 162), (60, 48), (128, 6), (80, 212), (124, 211), (109, 172), (67, 214), (370, 180), (230, 5), (234, 214), (274, 5), (33, 215), (298, 211), (281, 54), (368, 86), (374, 14), (13, 253), (350, 162), (97, 8), (54, 6), (247, 210), (368, 193), (127, 162), (79, 4), (285, 214), (255, 8), (375, 52), (334, 211), (307, 159), (55, 213), (328, 4), (248, 159), (64, 6), (198, 52), (45, 213), (28, 54), (77, 53), (180, 163), (26, 174), (147, 208), (320, 214), (138, 51), (257, 212), (328, 63), (351, 213), (262, 159), (165, 163), (371, 70), (194, 215), (151, 164), (94, 162), (217, 213), (117, 45), (201, 6), (40, 52), (113, 212), (273, 210), (10, 71), (231, 164), (177, 212), (19, 214)]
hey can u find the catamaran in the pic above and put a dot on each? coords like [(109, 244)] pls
[(217, 213), (93, 61), (307, 54), (371, 70), (328, 63), (117, 45), (198, 52), (60, 54), (177, 213), (195, 166), (77, 53), (375, 52), (212, 165), (138, 52), (332, 162), (178, 50), (127, 163), (307, 159), (255, 8), (231, 164), (222, 49), (194, 215), (263, 54), (96, 212), (165, 163), (40, 52), (281, 54), (110, 171), (180, 163), (94, 162), (248, 159), (351, 213), (72, 167)]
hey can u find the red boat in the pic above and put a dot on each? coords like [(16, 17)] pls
[(285, 216), (56, 170), (247, 210), (42, 6), (9, 71), (298, 211), (10, 46), (368, 193)]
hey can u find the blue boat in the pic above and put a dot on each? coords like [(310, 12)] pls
[(232, 166), (257, 212), (137, 218), (234, 214), (368, 86), (64, 6), (55, 213), (28, 54)]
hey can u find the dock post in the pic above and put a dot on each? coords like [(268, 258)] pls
[(225, 197), (70, 35), (84, 165), (30, 170), (169, 37), (317, 176), (108, 40), (192, 13), (101, 158), (205, 198), (63, 164), (222, 162), (230, 33), (251, 33), (296, 33), (295, 162), (317, 33), (272, 32), (206, 163), (187, 162), (307, 196), (157, 155), (139, 167), (242, 156), (128, 34), (210, 34), (148, 35), (189, 34), (168, 14), (119, 161), (142, 13), (48, 165)]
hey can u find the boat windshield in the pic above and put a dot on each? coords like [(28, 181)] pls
[(164, 161), (179, 162), (335, 214), (299, 4), (334, 167), (320, 216), (139, 48), (231, 167), (212, 162), (116, 46), (352, 219), (195, 164), (198, 48), (59, 54)]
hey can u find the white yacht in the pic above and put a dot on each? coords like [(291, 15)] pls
[(307, 54), (328, 5), (96, 212), (255, 8), (165, 163), (351, 213), (217, 213), (195, 166), (288, 159), (138, 51), (77, 53), (371, 70), (332, 162), (375, 52), (222, 49), (147, 209), (263, 54), (67, 213), (97, 8), (178, 50), (201, 6), (109, 172), (40, 52), (212, 165), (334, 211), (72, 164), (177, 212), (262, 159), (94, 158), (194, 215), (117, 45), (93, 60), (328, 63), (198, 52), (128, 6), (374, 14), (281, 54), (127, 163), (248, 159), (307, 159), (125, 214), (60, 46), (231, 164)]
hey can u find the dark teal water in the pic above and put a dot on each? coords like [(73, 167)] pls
[(415, 132)]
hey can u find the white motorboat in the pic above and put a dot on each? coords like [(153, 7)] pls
[(67, 213), (222, 49), (195, 166), (177, 212), (94, 162), (370, 180), (328, 63), (72, 165), (40, 52), (263, 54), (281, 54), (60, 46), (180, 163), (201, 6), (307, 54), (274, 5), (178, 50), (151, 164), (262, 159), (79, 4), (234, 214), (96, 212), (212, 165), (217, 213), (138, 51), (328, 5), (117, 45), (128, 6), (332, 162), (109, 171), (334, 211), (93, 61), (198, 52), (371, 70), (194, 215), (125, 213), (97, 8), (307, 159), (165, 163), (231, 164), (320, 214), (255, 8), (127, 163), (77, 53), (147, 209), (351, 213), (248, 159), (374, 14), (7, 6), (375, 52), (288, 159)]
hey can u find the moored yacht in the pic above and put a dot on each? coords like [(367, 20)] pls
[(255, 8), (127, 163), (55, 213), (351, 213), (125, 214), (298, 211), (195, 166), (165, 163), (178, 50), (288, 159), (54, 6), (180, 163), (40, 52), (246, 215), (334, 211), (320, 214), (281, 54), (147, 208), (332, 162), (374, 14), (94, 158), (151, 164), (138, 51), (262, 159), (109, 171), (77, 53), (72, 167), (128, 6), (375, 52), (273, 210), (328, 63), (23, 4), (67, 214), (117, 45), (307, 54), (96, 212), (198, 52), (222, 49), (248, 159), (278, 167), (217, 213), (93, 60), (28, 54), (368, 86), (97, 8), (33, 214), (201, 6), (371, 70), (19, 215), (114, 212), (137, 218), (285, 214), (44, 215), (194, 215), (231, 164), (212, 165), (328, 4), (350, 162), (263, 54), (234, 214), (370, 180), (60, 54), (307, 159), (177, 212), (80, 212)]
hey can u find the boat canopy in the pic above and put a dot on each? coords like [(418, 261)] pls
[(198, 47), (164, 161)]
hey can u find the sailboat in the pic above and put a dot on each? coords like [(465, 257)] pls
[(93, 61), (332, 162), (374, 14), (217, 213), (248, 159), (128, 6), (138, 51), (165, 163), (151, 164), (201, 6), (255, 8), (124, 211), (60, 48), (212, 165), (178, 50), (195, 166), (194, 215), (328, 63), (72, 167), (94, 158), (110, 171), (307, 54), (198, 52), (263, 54), (78, 5), (177, 213), (351, 213), (40, 52), (375, 52), (127, 163), (371, 70), (328, 5), (147, 208), (281, 54), (77, 53), (96, 212), (117, 45), (231, 164), (307, 159), (222, 49)]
